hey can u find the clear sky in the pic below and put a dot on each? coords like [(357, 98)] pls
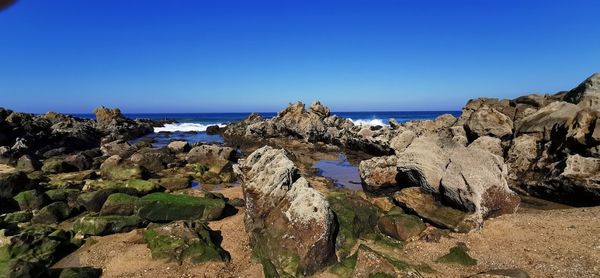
[(222, 55)]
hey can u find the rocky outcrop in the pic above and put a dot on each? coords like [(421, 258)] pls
[(487, 121), (379, 174), (290, 224)]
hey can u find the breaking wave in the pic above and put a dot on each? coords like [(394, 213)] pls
[(371, 122), (184, 127)]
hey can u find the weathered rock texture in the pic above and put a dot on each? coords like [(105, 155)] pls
[(290, 224)]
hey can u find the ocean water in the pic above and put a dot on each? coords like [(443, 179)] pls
[(192, 126)]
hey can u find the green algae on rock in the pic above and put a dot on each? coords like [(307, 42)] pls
[(31, 199), (52, 213), (400, 226), (105, 225), (162, 207), (180, 240), (119, 204)]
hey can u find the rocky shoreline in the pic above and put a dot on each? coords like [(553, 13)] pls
[(67, 182)]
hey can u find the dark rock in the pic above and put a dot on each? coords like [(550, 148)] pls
[(119, 204), (12, 183), (106, 225), (458, 255), (31, 200), (213, 130), (115, 168), (401, 226), (176, 182), (93, 201), (161, 207), (28, 164), (179, 146), (52, 213)]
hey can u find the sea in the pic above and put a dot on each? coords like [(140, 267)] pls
[(191, 127)]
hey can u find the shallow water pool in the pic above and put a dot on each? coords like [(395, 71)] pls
[(343, 173)]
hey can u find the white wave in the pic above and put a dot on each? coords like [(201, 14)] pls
[(371, 122), (184, 127)]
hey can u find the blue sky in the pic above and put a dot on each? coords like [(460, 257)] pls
[(240, 56)]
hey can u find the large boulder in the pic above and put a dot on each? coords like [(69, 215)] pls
[(487, 121), (422, 164), (116, 168), (106, 225), (290, 224), (579, 182), (556, 114), (379, 174), (12, 183), (152, 160), (400, 226), (476, 182)]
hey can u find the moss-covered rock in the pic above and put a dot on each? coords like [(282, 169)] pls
[(356, 217), (71, 180), (28, 164), (31, 200), (18, 217), (52, 213), (458, 255), (141, 186), (400, 226), (345, 267), (65, 195), (160, 207), (105, 225), (367, 262), (93, 201), (119, 204), (115, 168), (56, 165), (179, 241), (19, 269)]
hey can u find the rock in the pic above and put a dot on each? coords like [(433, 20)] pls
[(422, 164), (107, 116), (12, 183), (356, 218), (210, 154), (400, 226), (176, 183), (279, 201), (213, 130), (587, 94), (521, 156), (137, 186), (543, 121), (579, 182), (115, 168), (79, 162), (152, 160), (31, 200), (487, 121), (93, 201), (596, 133), (370, 263), (56, 165), (580, 130), (502, 273), (65, 195), (27, 164), (236, 202), (490, 144), (317, 108), (71, 180), (118, 147), (402, 140), (476, 182), (379, 174), (384, 204), (160, 207), (18, 217), (179, 241), (179, 146), (106, 225), (119, 204), (425, 206), (394, 124), (458, 255), (52, 213)]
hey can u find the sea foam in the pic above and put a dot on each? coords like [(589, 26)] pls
[(371, 122), (184, 127)]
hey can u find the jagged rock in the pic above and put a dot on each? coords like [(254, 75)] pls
[(542, 122), (115, 168), (52, 213), (107, 116), (490, 144), (587, 94), (487, 121), (118, 147), (319, 109), (521, 156), (160, 207), (579, 182), (106, 225), (459, 135), (179, 241), (31, 200), (424, 205), (210, 154), (179, 146), (400, 226), (379, 174), (279, 201), (402, 140)]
